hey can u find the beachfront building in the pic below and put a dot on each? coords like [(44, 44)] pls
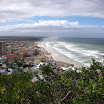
[(36, 50), (2, 48)]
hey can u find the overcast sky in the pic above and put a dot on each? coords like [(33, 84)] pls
[(74, 18)]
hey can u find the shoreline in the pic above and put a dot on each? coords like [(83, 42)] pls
[(58, 57)]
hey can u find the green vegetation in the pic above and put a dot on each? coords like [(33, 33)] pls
[(86, 87)]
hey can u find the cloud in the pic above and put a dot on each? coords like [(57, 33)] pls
[(11, 10), (52, 28)]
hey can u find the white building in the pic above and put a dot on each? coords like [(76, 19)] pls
[(3, 60)]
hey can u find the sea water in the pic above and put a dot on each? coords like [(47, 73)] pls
[(77, 50)]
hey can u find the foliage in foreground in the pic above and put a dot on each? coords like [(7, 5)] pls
[(86, 87)]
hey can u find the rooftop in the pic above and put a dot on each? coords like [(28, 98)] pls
[(9, 56), (35, 47)]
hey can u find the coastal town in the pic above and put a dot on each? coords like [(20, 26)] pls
[(28, 55)]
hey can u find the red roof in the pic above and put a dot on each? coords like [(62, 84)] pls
[(35, 47), (1, 68), (9, 56)]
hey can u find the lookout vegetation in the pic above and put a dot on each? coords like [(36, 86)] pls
[(85, 87)]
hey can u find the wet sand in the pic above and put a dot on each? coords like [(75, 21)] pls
[(55, 56)]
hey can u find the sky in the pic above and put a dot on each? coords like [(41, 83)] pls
[(70, 18)]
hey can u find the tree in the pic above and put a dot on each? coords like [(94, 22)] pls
[(85, 87)]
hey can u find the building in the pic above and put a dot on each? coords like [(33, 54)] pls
[(8, 71), (2, 48), (10, 57), (3, 60)]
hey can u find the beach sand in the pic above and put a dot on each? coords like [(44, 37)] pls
[(56, 56)]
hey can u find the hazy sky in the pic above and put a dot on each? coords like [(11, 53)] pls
[(75, 18)]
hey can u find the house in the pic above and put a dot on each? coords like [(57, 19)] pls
[(3, 59), (28, 52), (14, 50), (9, 50), (36, 62), (9, 57), (35, 47), (7, 71), (2, 70)]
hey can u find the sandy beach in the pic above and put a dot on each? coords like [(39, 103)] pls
[(55, 56)]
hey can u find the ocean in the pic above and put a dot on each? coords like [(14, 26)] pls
[(78, 51)]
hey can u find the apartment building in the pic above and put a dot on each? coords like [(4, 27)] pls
[(2, 48)]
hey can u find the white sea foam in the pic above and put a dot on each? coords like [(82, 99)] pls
[(87, 64), (74, 48), (74, 52)]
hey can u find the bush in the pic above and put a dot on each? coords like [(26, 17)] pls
[(85, 87)]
